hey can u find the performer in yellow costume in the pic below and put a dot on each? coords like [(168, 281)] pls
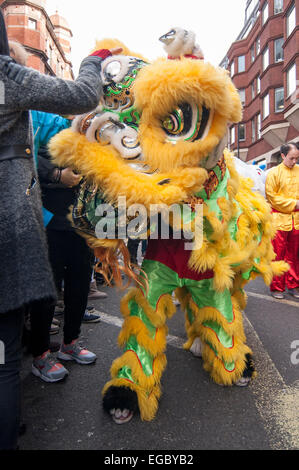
[(282, 190), (157, 138)]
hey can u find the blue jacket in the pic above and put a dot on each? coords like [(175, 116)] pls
[(45, 126)]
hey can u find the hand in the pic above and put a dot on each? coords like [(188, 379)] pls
[(69, 178)]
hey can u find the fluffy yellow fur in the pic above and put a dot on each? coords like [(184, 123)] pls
[(103, 166), (161, 87), (110, 43), (215, 364)]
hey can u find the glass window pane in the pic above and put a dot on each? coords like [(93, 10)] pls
[(252, 90), (242, 95), (291, 80), (258, 46), (241, 63), (241, 131), (258, 125), (232, 135), (278, 6), (253, 135), (279, 100), (265, 59), (232, 69), (291, 20), (258, 85), (265, 13), (266, 106), (278, 50)]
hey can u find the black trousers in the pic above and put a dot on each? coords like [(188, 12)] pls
[(72, 262), (11, 325)]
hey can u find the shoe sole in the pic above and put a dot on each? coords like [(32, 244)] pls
[(67, 357), (37, 373)]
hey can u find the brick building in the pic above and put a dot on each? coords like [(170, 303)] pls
[(47, 39), (264, 66)]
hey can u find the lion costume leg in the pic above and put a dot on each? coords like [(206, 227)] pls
[(143, 340), (216, 319)]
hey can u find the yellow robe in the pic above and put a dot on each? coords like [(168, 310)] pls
[(282, 191)]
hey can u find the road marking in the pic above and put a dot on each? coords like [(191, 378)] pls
[(174, 341), (292, 303), (276, 402)]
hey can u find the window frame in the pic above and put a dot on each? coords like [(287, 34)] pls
[(32, 21)]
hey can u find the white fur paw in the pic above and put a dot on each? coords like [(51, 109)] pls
[(121, 416), (243, 382), (197, 348)]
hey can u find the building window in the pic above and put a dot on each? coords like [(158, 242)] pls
[(258, 85), (291, 80), (266, 59), (241, 63), (266, 106), (252, 56), (232, 135), (242, 132), (265, 13), (253, 134), (279, 99), (242, 95), (278, 50), (252, 90), (232, 69), (278, 6), (258, 126), (291, 20), (32, 24), (258, 46)]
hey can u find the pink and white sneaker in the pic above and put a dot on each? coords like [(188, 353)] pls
[(48, 369), (74, 352)]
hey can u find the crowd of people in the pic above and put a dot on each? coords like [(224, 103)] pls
[(45, 263)]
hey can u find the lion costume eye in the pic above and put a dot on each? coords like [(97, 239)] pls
[(188, 122)]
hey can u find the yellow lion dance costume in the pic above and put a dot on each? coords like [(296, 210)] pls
[(156, 140)]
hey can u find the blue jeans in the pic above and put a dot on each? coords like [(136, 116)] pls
[(11, 325)]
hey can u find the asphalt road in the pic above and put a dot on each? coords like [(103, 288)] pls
[(194, 413)]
